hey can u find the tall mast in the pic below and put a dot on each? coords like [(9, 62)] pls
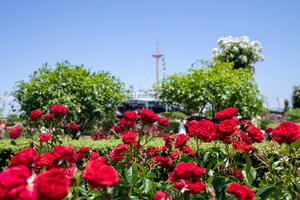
[(157, 56)]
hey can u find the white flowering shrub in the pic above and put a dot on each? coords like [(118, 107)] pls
[(241, 51)]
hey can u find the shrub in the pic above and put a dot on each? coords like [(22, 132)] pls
[(293, 115)]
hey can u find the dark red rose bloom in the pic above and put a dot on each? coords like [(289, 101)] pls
[(255, 134), (163, 121), (206, 130), (70, 173), (268, 129), (227, 126), (44, 137), (179, 183), (247, 122), (245, 138), (181, 140), (82, 152), (187, 150), (165, 162), (246, 148), (94, 156), (117, 153), (237, 144), (13, 183), (66, 152), (153, 151), (286, 132), (240, 191), (227, 113), (15, 132), (58, 111), (100, 175), (195, 187), (192, 127), (47, 117), (73, 126), (51, 185), (130, 115), (175, 155), (188, 171), (148, 116), (34, 115), (187, 175), (159, 196), (237, 173), (44, 160), (24, 157), (129, 138), (124, 124)]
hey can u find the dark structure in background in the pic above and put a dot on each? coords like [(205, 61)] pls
[(138, 99)]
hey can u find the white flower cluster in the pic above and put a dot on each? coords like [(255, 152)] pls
[(239, 50)]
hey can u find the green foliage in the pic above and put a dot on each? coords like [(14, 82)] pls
[(173, 127), (212, 87), (89, 96), (296, 97), (293, 115), (12, 119)]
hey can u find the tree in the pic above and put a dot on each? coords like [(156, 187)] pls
[(212, 87), (89, 96), (240, 51), (296, 97)]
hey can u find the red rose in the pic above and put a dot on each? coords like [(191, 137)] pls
[(131, 115), (246, 148), (286, 132), (268, 129), (195, 187), (124, 124), (94, 156), (129, 138), (227, 126), (13, 183), (34, 115), (44, 160), (100, 175), (51, 185), (227, 113), (159, 196), (82, 152), (15, 132), (58, 111), (73, 126), (148, 116), (192, 127), (179, 184), (237, 173), (247, 122), (187, 150), (164, 161), (117, 153), (255, 134), (163, 121), (237, 144), (181, 140), (175, 155), (66, 152), (24, 157), (47, 117), (206, 130), (240, 191), (44, 137), (245, 138)]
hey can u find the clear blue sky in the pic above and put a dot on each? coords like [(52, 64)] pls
[(117, 36)]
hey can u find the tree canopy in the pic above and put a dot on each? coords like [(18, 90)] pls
[(212, 87), (89, 96)]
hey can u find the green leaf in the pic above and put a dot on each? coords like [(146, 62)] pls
[(265, 191), (248, 162), (131, 174)]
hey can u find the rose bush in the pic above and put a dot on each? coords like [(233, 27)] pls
[(238, 164)]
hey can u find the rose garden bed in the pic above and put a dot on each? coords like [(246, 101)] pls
[(224, 159)]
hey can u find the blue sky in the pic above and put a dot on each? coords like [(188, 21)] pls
[(117, 36)]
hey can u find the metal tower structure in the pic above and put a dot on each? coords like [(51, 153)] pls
[(157, 56)]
